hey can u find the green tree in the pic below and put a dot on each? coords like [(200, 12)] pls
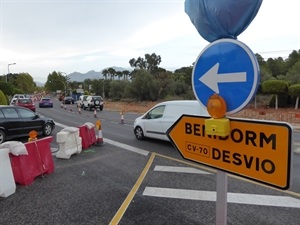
[(105, 73), (7, 88), (293, 58), (293, 75), (294, 90), (117, 88), (55, 82), (187, 73), (149, 63), (126, 74), (277, 66), (112, 73), (119, 74), (25, 82), (275, 87), (143, 87), (3, 99)]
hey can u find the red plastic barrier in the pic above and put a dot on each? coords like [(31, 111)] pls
[(87, 135), (92, 135), (38, 161)]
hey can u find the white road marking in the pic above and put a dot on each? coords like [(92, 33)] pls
[(118, 144), (127, 147), (238, 198), (178, 169)]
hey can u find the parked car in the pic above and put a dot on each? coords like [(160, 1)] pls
[(93, 102), (16, 121), (80, 101), (13, 101), (15, 98), (26, 102), (68, 100), (155, 122), (46, 102), (19, 96)]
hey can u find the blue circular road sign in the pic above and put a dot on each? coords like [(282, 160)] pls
[(229, 68)]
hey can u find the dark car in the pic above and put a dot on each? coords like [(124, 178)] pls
[(26, 102), (46, 102), (68, 100), (16, 121)]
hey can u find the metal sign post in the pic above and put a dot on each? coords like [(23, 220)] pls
[(221, 209)]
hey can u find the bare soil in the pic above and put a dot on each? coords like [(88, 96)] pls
[(289, 115)]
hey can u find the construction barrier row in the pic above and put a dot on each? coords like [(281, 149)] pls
[(22, 163), (72, 140)]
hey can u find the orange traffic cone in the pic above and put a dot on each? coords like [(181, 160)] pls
[(95, 113), (100, 136)]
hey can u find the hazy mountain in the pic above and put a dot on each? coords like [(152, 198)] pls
[(39, 84), (80, 77)]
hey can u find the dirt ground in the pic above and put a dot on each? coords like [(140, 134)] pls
[(289, 115)]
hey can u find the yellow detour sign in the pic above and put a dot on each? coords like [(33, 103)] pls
[(258, 150)]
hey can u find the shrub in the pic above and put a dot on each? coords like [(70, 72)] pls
[(3, 99)]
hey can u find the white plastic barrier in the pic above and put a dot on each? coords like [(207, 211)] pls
[(7, 181), (69, 142)]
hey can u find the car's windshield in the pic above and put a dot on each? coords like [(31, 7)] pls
[(25, 101), (97, 98)]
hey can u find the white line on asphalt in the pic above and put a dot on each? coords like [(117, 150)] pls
[(127, 147), (179, 169), (118, 144), (250, 199)]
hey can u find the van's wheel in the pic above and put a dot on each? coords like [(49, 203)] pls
[(139, 134), (2, 136), (47, 129)]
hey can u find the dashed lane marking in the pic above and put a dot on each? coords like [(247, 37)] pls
[(250, 199), (128, 147), (178, 169)]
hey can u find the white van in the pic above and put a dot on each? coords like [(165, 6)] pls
[(156, 122), (80, 101)]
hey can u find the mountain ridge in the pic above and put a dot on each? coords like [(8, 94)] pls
[(92, 74)]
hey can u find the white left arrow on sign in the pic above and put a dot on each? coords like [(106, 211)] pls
[(212, 78)]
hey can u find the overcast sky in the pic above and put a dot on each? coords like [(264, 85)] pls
[(42, 36)]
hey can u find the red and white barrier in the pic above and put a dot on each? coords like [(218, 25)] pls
[(7, 182), (38, 161), (87, 135), (69, 142)]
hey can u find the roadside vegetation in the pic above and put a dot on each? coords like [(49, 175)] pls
[(279, 84)]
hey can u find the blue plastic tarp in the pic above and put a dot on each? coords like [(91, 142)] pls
[(216, 19)]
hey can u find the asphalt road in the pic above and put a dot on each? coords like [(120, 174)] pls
[(126, 181)]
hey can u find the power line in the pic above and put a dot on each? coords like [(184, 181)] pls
[(275, 51)]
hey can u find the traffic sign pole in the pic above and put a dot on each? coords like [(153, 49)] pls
[(221, 209)]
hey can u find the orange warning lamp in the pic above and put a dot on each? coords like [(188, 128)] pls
[(216, 106), (218, 124), (32, 136), (98, 124)]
